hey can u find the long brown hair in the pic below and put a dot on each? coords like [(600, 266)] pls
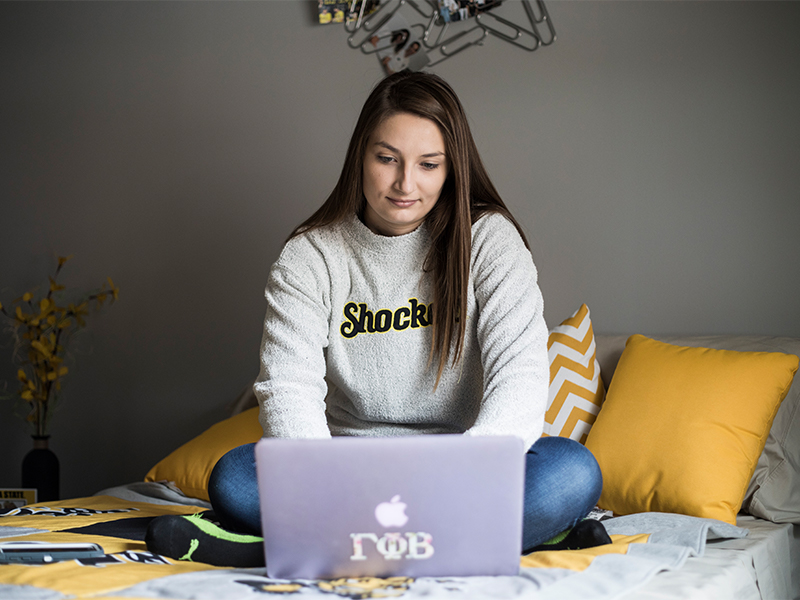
[(467, 195)]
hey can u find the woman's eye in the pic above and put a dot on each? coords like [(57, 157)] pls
[(430, 166), (385, 159)]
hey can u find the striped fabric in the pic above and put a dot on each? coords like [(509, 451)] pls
[(576, 389)]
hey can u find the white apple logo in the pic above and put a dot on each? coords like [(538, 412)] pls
[(392, 513)]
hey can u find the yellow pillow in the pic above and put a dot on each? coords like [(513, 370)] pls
[(682, 428), (576, 391), (189, 467)]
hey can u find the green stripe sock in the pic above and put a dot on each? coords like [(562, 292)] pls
[(559, 538), (195, 538), (586, 534)]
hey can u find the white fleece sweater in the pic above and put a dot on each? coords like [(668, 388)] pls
[(347, 338)]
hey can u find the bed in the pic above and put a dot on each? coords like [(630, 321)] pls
[(751, 553)]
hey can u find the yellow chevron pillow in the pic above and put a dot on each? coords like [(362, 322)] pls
[(576, 390), (682, 428)]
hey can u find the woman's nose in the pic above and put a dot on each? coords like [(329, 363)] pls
[(404, 182)]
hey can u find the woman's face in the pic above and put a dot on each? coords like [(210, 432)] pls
[(412, 49), (405, 168)]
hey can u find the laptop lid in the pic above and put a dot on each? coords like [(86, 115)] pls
[(421, 506)]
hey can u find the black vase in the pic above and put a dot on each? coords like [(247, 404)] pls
[(40, 470)]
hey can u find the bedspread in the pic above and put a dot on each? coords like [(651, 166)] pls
[(643, 546)]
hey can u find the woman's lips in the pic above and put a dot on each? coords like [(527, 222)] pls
[(401, 203)]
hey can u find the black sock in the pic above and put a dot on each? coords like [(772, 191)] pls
[(197, 538), (586, 534)]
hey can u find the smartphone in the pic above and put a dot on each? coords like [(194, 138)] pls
[(42, 553)]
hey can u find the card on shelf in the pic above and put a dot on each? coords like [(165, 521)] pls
[(16, 497)]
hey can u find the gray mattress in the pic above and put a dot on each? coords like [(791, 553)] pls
[(765, 565)]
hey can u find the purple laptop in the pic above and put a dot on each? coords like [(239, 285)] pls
[(421, 506)]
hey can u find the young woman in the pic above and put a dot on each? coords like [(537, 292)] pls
[(407, 304)]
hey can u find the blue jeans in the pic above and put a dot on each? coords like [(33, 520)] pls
[(562, 484)]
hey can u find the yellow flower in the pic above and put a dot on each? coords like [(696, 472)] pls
[(55, 374), (54, 286), (40, 348), (37, 335), (46, 306), (80, 311)]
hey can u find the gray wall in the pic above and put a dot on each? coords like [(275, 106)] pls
[(651, 154)]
